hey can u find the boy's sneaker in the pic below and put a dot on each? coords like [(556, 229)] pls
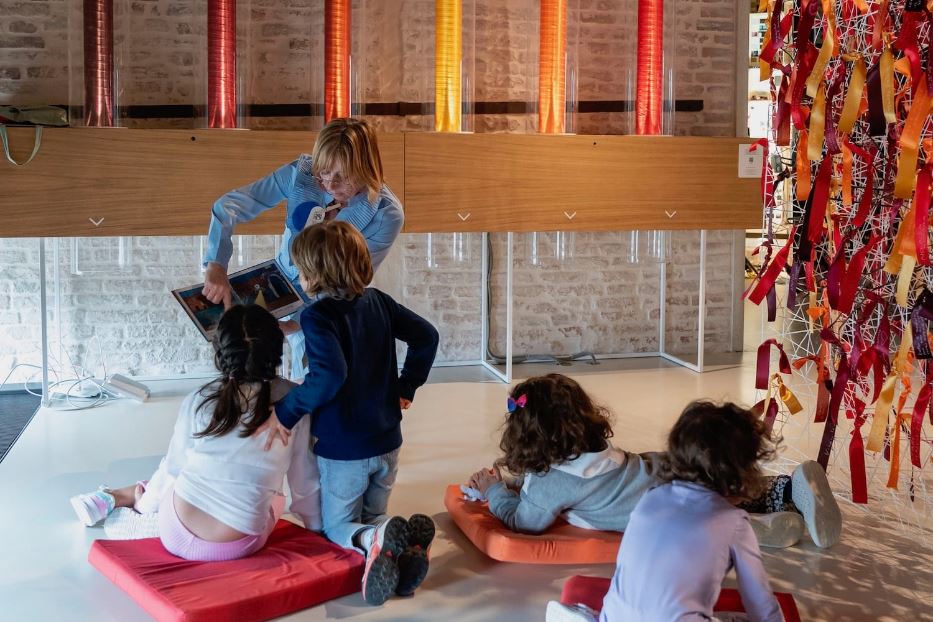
[(93, 507), (413, 563), (128, 524), (778, 529), (814, 499), (559, 612), (380, 576)]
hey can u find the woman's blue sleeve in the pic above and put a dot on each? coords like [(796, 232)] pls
[(242, 205)]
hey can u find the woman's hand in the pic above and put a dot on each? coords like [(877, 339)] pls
[(217, 285), (274, 430), (289, 327), (484, 478)]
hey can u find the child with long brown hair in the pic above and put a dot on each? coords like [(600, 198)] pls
[(557, 440), (687, 534), (217, 493)]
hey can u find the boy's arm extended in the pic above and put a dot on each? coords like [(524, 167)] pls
[(327, 371)]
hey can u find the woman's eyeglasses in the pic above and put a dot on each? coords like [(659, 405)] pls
[(336, 181)]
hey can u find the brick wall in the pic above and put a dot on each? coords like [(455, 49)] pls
[(597, 300)]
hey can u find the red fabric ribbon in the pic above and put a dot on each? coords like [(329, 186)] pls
[(762, 371), (766, 281), (857, 457)]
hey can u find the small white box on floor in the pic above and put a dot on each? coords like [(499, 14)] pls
[(127, 387)]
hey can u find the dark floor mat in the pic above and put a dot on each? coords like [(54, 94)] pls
[(16, 411)]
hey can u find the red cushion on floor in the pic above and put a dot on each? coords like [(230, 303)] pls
[(296, 569), (591, 590), (561, 544)]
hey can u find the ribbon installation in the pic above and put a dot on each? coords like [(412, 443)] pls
[(851, 166)]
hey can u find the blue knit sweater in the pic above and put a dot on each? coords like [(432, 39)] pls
[(353, 387)]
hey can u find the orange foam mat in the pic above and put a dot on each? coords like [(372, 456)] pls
[(561, 544)]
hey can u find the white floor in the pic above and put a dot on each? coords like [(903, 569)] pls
[(875, 573)]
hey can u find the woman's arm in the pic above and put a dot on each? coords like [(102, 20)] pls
[(242, 205)]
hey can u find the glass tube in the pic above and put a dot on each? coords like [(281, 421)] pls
[(654, 76), (557, 66), (97, 53)]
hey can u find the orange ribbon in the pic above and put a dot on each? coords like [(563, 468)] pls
[(802, 167), (910, 141), (846, 175), (817, 124)]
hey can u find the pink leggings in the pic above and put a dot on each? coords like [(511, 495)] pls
[(177, 540)]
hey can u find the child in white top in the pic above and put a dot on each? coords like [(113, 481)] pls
[(218, 491)]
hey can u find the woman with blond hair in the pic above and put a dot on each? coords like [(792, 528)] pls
[(341, 179)]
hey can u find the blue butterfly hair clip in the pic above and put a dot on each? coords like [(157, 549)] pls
[(514, 405)]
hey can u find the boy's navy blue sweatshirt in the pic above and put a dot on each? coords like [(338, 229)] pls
[(353, 387)]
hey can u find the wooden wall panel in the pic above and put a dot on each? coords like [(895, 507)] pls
[(163, 182), (147, 182), (512, 182)]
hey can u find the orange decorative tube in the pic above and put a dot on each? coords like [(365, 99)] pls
[(649, 86), (336, 59), (448, 55), (552, 64)]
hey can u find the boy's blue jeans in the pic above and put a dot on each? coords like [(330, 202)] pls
[(355, 495)]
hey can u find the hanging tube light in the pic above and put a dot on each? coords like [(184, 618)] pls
[(98, 63), (221, 64), (448, 54), (650, 63), (336, 59), (552, 63)]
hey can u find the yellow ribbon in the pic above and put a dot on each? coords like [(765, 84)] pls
[(817, 124), (787, 396), (910, 141), (883, 406), (904, 277), (903, 258), (906, 368), (850, 108), (826, 52), (886, 67)]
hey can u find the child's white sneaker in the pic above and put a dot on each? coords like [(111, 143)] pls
[(93, 507), (777, 530), (559, 612), (814, 499), (128, 524)]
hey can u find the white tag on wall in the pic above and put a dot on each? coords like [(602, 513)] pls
[(750, 162)]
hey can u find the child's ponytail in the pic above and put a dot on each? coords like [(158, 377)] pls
[(248, 348)]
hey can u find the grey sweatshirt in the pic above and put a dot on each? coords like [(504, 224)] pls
[(595, 491)]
